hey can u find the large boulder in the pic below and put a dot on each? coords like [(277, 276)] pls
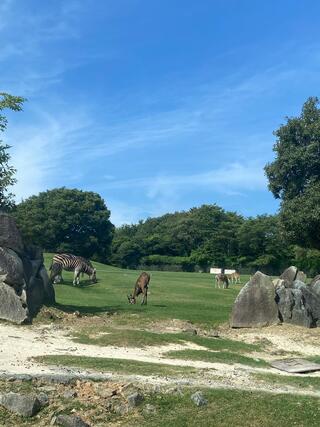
[(291, 305), (255, 306), (301, 276), (24, 405), (278, 283), (24, 282), (315, 285), (11, 268), (12, 306), (289, 275), (10, 236)]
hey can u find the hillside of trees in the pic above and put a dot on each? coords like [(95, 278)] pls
[(200, 238)]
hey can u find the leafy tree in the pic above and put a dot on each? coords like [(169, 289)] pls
[(67, 220), (262, 245), (294, 175), (7, 172)]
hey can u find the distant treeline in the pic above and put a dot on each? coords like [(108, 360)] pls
[(209, 236)]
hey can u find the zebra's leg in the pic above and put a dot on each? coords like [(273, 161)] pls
[(76, 278)]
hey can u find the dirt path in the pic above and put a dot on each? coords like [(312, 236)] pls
[(20, 344)]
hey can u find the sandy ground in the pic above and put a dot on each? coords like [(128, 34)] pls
[(20, 343)]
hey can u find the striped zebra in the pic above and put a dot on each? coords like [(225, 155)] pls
[(73, 263)]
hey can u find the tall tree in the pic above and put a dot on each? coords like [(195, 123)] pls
[(294, 175), (67, 220), (7, 171)]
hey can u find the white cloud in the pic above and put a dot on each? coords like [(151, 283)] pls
[(40, 152)]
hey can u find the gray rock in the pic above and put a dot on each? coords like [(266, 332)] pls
[(278, 283), (301, 276), (49, 294), (255, 305), (312, 303), (315, 279), (69, 394), (149, 409), (12, 307), (199, 399), (10, 236), (11, 268), (190, 330), (120, 408), (135, 399), (26, 406), (70, 421), (293, 306), (43, 399), (315, 285), (289, 275), (285, 303), (298, 284)]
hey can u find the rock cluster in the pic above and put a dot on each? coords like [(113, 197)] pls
[(263, 302), (24, 282)]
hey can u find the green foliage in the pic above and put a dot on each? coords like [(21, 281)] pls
[(294, 175), (200, 238), (67, 220), (262, 245), (307, 260), (7, 171)]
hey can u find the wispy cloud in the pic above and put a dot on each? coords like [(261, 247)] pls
[(41, 152)]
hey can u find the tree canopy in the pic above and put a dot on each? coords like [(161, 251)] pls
[(67, 220), (7, 171), (294, 175), (200, 238)]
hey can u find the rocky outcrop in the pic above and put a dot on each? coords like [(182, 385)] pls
[(255, 305), (24, 282), (293, 300), (289, 275)]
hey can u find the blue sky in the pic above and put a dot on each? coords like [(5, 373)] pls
[(158, 105)]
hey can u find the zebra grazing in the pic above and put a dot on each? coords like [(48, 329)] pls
[(73, 263)]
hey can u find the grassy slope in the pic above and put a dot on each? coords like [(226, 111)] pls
[(186, 296)]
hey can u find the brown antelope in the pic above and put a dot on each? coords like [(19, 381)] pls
[(234, 278), (222, 279), (141, 287)]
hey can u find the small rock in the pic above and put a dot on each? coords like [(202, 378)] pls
[(149, 409), (27, 406), (43, 399), (191, 331), (135, 399), (69, 394), (199, 399), (213, 333), (120, 408), (70, 421)]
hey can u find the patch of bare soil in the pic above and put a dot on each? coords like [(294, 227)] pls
[(279, 339), (19, 344)]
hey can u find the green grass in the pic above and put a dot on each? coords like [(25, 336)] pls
[(119, 366), (296, 381), (232, 408), (219, 356), (185, 296), (138, 338)]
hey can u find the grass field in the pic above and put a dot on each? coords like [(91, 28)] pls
[(185, 296), (190, 298)]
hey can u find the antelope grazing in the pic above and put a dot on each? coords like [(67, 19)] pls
[(222, 279), (141, 287), (234, 278)]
